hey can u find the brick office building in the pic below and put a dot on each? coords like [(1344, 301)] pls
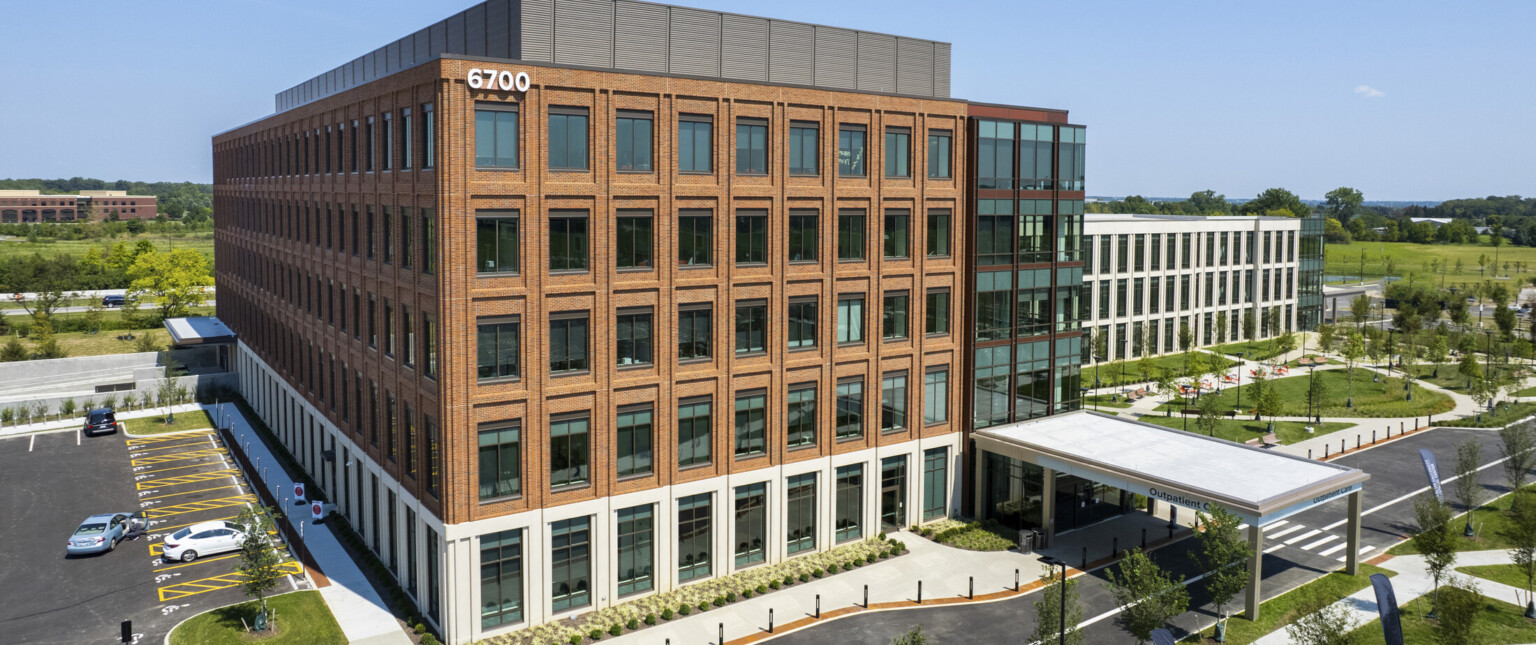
[(31, 206), (568, 301)]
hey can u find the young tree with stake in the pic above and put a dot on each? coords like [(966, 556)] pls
[(1516, 444), (1147, 595), (1048, 619), (1432, 535), (1468, 491), (1520, 533), (1223, 556), (258, 560)]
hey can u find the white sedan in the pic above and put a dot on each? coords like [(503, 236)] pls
[(201, 539)]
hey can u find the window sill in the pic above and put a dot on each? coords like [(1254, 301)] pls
[(936, 334), (752, 354), (683, 469), (635, 172), (635, 269), (503, 498), (750, 456), (569, 373), (891, 431), (944, 256), (810, 262), (935, 424), (635, 476), (571, 170), (751, 265), (800, 448), (850, 438), (492, 274), (694, 360), (895, 339), (751, 174), (566, 488), (694, 267), (697, 173), (501, 380), (851, 260), (499, 168), (812, 175), (802, 350), (851, 343), (634, 367), (568, 271)]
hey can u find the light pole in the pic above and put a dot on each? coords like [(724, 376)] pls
[(1488, 361), (1062, 610), (1244, 357)]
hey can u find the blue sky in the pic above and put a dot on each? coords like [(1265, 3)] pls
[(1405, 101)]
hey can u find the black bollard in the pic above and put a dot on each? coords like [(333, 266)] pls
[(1309, 453), (919, 592), (972, 593), (1143, 537), (1114, 548), (1326, 448), (866, 596), (127, 627), (1015, 581), (770, 620), (1341, 446), (1357, 441), (1373, 437), (1085, 558), (1170, 531), (818, 602), (722, 633)]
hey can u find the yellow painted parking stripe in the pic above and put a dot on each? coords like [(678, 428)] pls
[(204, 505), (189, 492), (189, 444), (178, 480), (144, 441), (198, 561), (215, 583), (179, 456), (162, 470), (163, 529)]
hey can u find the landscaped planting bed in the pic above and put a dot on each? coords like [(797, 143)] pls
[(971, 536)]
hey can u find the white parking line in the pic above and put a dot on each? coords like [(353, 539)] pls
[(31, 442), (1303, 536), (1284, 532), (1326, 539), (78, 432)]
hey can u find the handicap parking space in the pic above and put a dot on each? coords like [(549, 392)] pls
[(173, 481)]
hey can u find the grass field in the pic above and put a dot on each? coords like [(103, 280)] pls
[(1372, 399), (1241, 430), (1109, 374), (1344, 259), (197, 420), (1488, 520), (1499, 623), (16, 246), (107, 342), (1451, 379), (300, 617), (1277, 612), (1508, 574), (1258, 350), (1501, 416), (1105, 401)]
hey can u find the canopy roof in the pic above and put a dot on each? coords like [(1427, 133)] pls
[(198, 330)]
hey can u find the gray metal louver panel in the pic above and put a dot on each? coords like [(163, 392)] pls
[(456, 34), (538, 30), (747, 56), (914, 67), (836, 58), (877, 62), (407, 51), (357, 72), (640, 36), (584, 32), (791, 53), (474, 30), (941, 70), (497, 34), (423, 41), (438, 41), (368, 61), (695, 43), (392, 58)]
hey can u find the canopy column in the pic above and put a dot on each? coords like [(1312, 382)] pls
[(1352, 534), (1255, 571)]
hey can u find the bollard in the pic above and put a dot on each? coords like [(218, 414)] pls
[(1015, 585), (127, 628), (722, 633), (866, 589), (1309, 453), (1114, 548), (1373, 437), (1325, 450), (1143, 538), (1085, 558), (919, 592), (1357, 441), (1399, 427), (770, 620), (1341, 446), (971, 595), (1170, 531), (818, 602)]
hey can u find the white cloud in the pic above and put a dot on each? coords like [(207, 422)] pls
[(1369, 92)]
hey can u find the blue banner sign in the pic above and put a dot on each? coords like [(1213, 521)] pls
[(1433, 472), (1386, 607)]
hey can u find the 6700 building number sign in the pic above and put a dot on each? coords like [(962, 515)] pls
[(505, 81)]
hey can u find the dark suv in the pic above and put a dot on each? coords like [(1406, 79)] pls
[(112, 301), (100, 421)]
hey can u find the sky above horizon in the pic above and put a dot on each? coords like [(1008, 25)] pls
[(1402, 100)]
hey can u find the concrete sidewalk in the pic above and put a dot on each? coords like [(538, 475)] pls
[(362, 614)]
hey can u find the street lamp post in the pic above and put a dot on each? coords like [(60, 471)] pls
[(1239, 386), (1062, 610)]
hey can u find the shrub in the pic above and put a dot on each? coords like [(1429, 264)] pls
[(595, 634), (666, 614), (746, 593), (650, 619), (633, 624), (704, 606), (789, 580), (419, 628), (804, 578), (730, 596), (575, 639), (774, 584), (818, 573), (762, 589), (882, 536), (428, 639), (684, 610)]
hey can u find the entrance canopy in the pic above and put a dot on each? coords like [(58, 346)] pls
[(1174, 466), (198, 330)]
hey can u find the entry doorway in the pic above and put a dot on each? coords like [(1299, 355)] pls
[(893, 492), (1080, 502)]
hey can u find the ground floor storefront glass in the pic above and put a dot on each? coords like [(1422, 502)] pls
[(1013, 496), (1080, 502)]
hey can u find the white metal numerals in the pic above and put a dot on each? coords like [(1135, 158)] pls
[(505, 81)]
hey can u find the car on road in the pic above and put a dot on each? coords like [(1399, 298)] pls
[(206, 538), (113, 301), (100, 421), (98, 534)]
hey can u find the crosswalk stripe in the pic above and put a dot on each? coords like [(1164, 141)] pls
[(1363, 551), (1326, 539), (1274, 548), (1284, 532), (1275, 524), (1334, 549), (1303, 536)]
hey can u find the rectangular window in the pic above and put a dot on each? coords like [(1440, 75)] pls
[(850, 319), (802, 235), (1157, 251), (994, 231), (352, 152), (389, 141), (693, 332), (368, 143), (850, 150), (849, 519), (850, 235), (751, 524), (568, 456), (428, 241), (567, 138), (498, 345), (935, 482), (897, 231), (751, 423), (389, 328), (568, 342), (570, 564), (501, 578), (800, 417), (802, 322), (939, 144), (632, 138), (634, 441), (428, 136), (893, 403), (633, 246), (894, 319), (751, 146), (1184, 250), (388, 229), (1141, 251), (636, 549), (693, 420), (429, 338), (898, 152), (800, 514), (501, 470), (1120, 297), (803, 148), (994, 305), (751, 326), (936, 396), (694, 237), (407, 140), (936, 313), (407, 246), (567, 240), (938, 232), (408, 327), (496, 241), (1138, 288), (994, 154), (633, 334), (434, 454), (695, 143), (373, 318), (751, 237), (693, 537), (1153, 300), (850, 409)]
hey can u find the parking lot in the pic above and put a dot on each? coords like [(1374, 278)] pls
[(55, 480)]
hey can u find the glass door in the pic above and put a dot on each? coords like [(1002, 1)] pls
[(893, 492)]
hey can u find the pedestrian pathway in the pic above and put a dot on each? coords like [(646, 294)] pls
[(362, 614)]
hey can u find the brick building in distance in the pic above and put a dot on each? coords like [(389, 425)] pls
[(31, 206), (565, 302)]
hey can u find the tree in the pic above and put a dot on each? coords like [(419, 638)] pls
[(1248, 325), (1209, 414), (1469, 368), (1468, 490), (1269, 403), (1257, 389), (258, 560), (1354, 348), (13, 351), (1285, 343), (1321, 620), (1167, 385), (1146, 594), (1517, 445), (1432, 535), (1437, 352), (1317, 395), (165, 389), (1223, 556), (1186, 338), (1048, 610), (1457, 606), (1343, 203), (1360, 309), (1504, 317), (1520, 533), (177, 279), (1276, 201), (1326, 334), (1221, 327)]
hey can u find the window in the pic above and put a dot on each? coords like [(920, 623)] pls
[(693, 537), (636, 554), (373, 319), (428, 136), (389, 328), (407, 140), (849, 518), (570, 563), (693, 419), (897, 232), (938, 232), (495, 241), (694, 143), (751, 524), (568, 342), (850, 319), (498, 348), (634, 337), (802, 236), (1157, 251), (567, 138), (407, 250), (634, 239), (693, 332), (850, 235), (1153, 293), (802, 322), (1138, 288), (634, 439), (751, 146), (893, 403), (428, 241), (850, 409), (751, 326), (693, 237), (368, 144), (936, 396), (800, 513), (567, 240), (1141, 251), (994, 231), (894, 319), (801, 416), (898, 152), (633, 140), (935, 482), (751, 237), (751, 423), (850, 150), (501, 578), (939, 153), (501, 471), (568, 456), (429, 339), (994, 305), (388, 229), (803, 147), (994, 154), (389, 141), (936, 315)]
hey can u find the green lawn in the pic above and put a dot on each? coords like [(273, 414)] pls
[(82, 343), (1257, 350), (1489, 520), (195, 420), (1502, 415), (1344, 259), (1109, 374), (17, 246), (300, 617), (1451, 379), (1105, 401), (1530, 391), (1508, 574), (1275, 613), (1245, 429), (1499, 623), (1372, 399)]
